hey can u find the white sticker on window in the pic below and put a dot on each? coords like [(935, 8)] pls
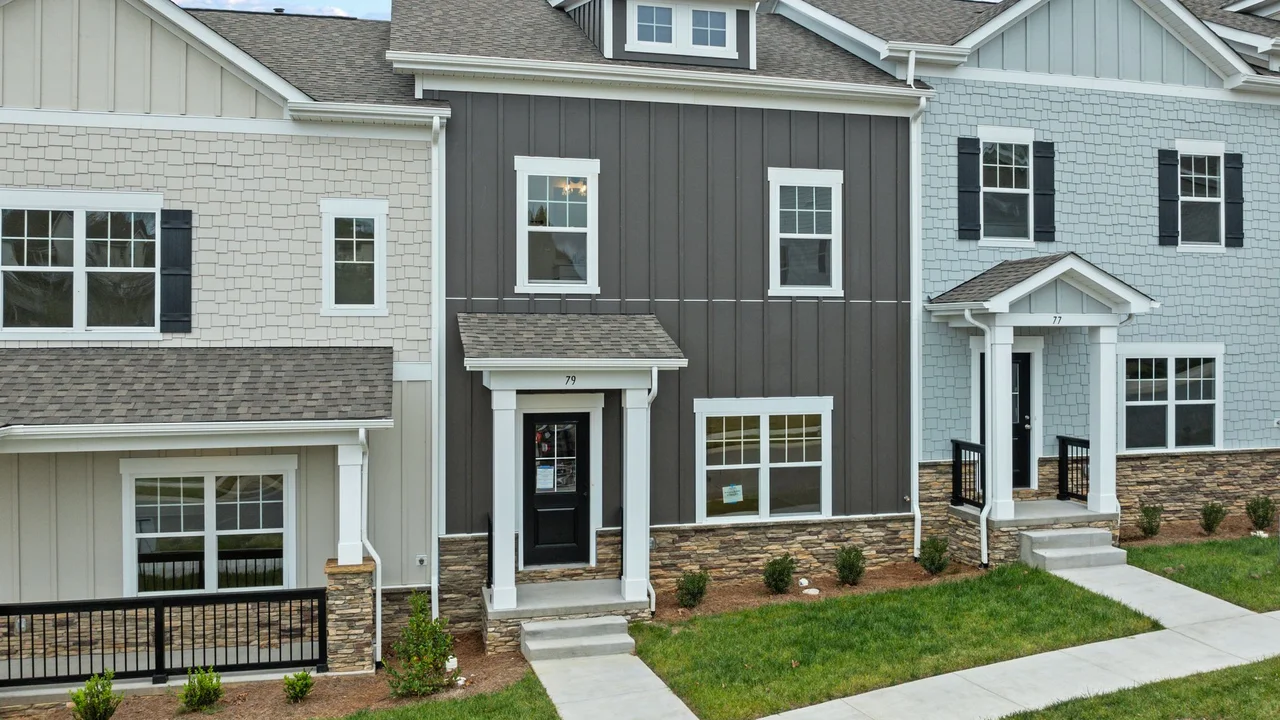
[(732, 494), (546, 478)]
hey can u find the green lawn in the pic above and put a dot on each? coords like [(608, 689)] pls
[(1244, 571), (526, 700), (756, 662), (1248, 692)]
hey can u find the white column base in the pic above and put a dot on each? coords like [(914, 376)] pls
[(504, 598), (350, 469), (1001, 510), (635, 589)]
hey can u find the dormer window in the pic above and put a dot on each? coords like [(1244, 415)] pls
[(682, 29)]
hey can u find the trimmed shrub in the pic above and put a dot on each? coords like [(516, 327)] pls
[(934, 557), (850, 564), (777, 574), (1211, 516), (95, 700), (422, 653), (1149, 519), (691, 588), (298, 686), (1261, 511), (203, 689)]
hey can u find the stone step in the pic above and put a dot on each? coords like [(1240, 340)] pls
[(577, 647), (578, 628), (1072, 558), (1067, 538)]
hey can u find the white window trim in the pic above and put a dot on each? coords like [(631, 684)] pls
[(833, 179), (1021, 136), (711, 407), (570, 167), (378, 209), (1209, 148), (682, 30), (81, 202), (133, 469), (1170, 352)]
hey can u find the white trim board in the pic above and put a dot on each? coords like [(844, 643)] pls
[(832, 180), (1170, 350), (181, 436), (331, 209), (1017, 77), (1034, 345)]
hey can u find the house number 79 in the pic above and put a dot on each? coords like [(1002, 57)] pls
[(570, 379)]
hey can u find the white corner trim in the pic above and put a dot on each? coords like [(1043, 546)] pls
[(412, 371), (366, 113)]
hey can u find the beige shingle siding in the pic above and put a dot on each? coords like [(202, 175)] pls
[(258, 276)]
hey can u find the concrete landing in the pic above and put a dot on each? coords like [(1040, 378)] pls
[(535, 601)]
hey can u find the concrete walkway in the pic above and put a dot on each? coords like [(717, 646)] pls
[(1203, 633), (612, 687)]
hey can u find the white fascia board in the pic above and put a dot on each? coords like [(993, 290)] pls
[(999, 24), (366, 113), (1197, 37), (1262, 44), (562, 76), (1266, 84), (581, 364), (1089, 278), (845, 35), (1245, 5), (927, 53), (175, 17), (182, 436)]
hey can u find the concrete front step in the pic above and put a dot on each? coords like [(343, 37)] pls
[(1067, 538), (1072, 558), (579, 628), (577, 647)]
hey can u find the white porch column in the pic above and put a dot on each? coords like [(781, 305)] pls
[(1102, 420), (999, 434), (635, 494), (505, 466), (350, 466)]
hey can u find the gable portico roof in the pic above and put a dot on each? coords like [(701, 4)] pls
[(510, 340), (996, 288), (109, 386)]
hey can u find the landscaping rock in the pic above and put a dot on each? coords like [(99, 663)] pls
[(811, 591)]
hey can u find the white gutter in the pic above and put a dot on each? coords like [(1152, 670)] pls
[(930, 54), (986, 489), (917, 274), (572, 363), (368, 546), (437, 354), (126, 430), (366, 113)]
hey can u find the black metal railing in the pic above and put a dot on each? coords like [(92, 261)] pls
[(968, 473), (156, 637), (622, 550), (1073, 468), (488, 573)]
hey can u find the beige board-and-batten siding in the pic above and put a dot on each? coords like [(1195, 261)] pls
[(121, 60), (61, 534)]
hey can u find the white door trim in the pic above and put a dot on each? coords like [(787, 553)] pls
[(1033, 344), (593, 405)]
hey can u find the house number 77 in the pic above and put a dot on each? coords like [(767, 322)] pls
[(570, 379)]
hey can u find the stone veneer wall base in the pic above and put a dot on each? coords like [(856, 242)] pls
[(351, 619)]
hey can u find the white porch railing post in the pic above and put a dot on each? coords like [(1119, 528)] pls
[(505, 465), (350, 465), (1102, 420), (999, 434), (635, 495)]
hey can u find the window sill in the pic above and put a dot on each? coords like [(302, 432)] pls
[(69, 335), (1207, 249), (354, 312), (1170, 451), (725, 53), (1007, 243), (558, 289), (806, 292), (756, 519)]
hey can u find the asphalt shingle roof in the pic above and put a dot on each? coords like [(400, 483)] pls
[(989, 283), (1211, 11), (937, 22), (331, 59), (533, 30), (565, 337), (74, 386)]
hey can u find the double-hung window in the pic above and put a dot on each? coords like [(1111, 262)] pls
[(805, 232), (682, 28), (355, 256), (1200, 186), (1006, 183), (1172, 396), (79, 261), (557, 225), (208, 524), (761, 458)]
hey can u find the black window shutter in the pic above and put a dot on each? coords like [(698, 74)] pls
[(175, 271), (1042, 191), (1233, 194), (1169, 197), (969, 184)]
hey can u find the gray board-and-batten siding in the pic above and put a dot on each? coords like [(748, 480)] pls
[(684, 235)]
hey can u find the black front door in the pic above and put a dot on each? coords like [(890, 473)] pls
[(557, 480), (1021, 429)]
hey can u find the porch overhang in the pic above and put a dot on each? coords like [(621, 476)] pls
[(555, 342)]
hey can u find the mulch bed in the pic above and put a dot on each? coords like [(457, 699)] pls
[(333, 697), (741, 595), (1186, 531)]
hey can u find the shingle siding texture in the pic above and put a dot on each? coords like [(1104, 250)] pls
[(73, 386), (1106, 198), (565, 336), (258, 276)]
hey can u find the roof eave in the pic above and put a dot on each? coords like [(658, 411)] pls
[(927, 53), (366, 113), (190, 435), (477, 364), (1264, 84)]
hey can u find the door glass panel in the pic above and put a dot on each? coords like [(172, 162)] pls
[(555, 457)]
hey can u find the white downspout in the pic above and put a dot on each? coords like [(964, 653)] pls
[(917, 310), (368, 546), (911, 74), (437, 355), (986, 490)]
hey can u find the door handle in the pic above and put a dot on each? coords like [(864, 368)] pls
[(1027, 426)]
